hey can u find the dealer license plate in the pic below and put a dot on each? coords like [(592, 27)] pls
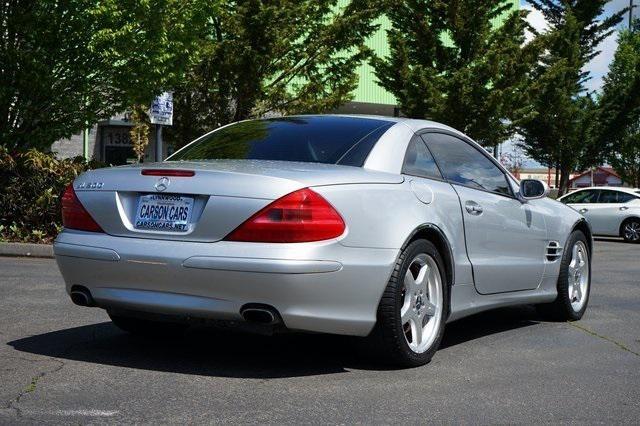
[(164, 212)]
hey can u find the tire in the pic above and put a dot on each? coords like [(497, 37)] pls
[(145, 327), (573, 286), (393, 337), (630, 231)]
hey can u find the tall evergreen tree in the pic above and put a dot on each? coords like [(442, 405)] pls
[(619, 118), (273, 57), (451, 63), (558, 126)]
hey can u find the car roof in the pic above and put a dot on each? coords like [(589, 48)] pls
[(633, 191), (415, 124)]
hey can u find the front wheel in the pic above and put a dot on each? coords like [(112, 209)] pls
[(574, 281), (413, 308)]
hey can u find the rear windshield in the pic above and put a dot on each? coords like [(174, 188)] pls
[(313, 139)]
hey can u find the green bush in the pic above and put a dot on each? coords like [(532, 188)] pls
[(31, 188)]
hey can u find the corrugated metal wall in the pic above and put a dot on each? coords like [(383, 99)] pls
[(368, 91)]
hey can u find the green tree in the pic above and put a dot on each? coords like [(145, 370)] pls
[(452, 63), (558, 127), (65, 63), (273, 57), (139, 132), (619, 108), (625, 157)]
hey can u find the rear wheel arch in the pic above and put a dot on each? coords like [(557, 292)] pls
[(438, 238)]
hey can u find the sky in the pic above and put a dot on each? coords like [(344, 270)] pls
[(598, 67), (600, 64)]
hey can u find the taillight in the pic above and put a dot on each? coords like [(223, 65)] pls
[(301, 216), (74, 215)]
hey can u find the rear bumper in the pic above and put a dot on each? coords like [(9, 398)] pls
[(322, 287)]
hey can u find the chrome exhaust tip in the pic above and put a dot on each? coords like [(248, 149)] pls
[(81, 296), (260, 315)]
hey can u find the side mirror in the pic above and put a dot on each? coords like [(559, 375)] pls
[(532, 189)]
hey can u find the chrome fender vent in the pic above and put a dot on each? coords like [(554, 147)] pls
[(554, 251)]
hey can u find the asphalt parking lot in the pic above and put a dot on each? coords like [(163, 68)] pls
[(61, 363)]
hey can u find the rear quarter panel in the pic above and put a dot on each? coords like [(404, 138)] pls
[(384, 216)]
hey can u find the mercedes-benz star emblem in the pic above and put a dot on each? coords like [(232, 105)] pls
[(162, 184)]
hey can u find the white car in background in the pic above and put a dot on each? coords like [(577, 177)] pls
[(611, 211)]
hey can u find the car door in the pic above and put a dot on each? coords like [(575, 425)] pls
[(584, 201), (505, 238), (607, 215)]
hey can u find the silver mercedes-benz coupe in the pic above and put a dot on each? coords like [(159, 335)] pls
[(364, 226)]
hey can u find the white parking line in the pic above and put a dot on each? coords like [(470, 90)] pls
[(85, 413)]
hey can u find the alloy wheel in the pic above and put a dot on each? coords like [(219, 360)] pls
[(578, 276), (632, 231), (421, 311)]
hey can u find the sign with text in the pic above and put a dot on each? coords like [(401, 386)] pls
[(161, 111)]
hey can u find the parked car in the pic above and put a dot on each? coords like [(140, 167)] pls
[(611, 211), (363, 226)]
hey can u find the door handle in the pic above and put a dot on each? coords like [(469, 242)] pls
[(623, 208), (583, 210), (473, 208)]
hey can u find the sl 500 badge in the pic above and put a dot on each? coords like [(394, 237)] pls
[(90, 185)]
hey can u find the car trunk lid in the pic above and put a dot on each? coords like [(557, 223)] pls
[(220, 195)]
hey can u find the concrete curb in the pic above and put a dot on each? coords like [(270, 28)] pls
[(26, 250)]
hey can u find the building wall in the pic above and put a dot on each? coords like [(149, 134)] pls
[(546, 175), (585, 181), (109, 142), (72, 147)]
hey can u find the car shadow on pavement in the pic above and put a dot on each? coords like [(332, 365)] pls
[(213, 352)]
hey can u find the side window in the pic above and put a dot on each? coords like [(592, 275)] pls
[(462, 163), (624, 197), (607, 196), (418, 160), (581, 197)]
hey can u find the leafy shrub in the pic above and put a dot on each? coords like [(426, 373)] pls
[(31, 188)]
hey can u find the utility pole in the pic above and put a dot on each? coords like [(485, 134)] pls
[(85, 143), (630, 14), (158, 143)]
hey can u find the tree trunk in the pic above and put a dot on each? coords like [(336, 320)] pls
[(557, 180), (565, 172)]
